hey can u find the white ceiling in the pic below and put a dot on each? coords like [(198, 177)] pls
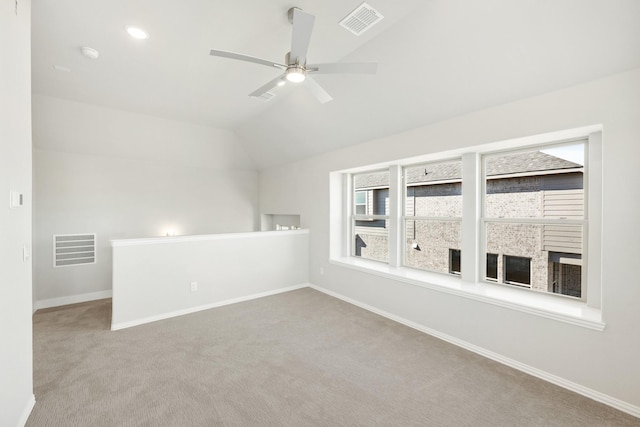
[(437, 59)]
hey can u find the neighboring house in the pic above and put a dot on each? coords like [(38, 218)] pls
[(531, 185)]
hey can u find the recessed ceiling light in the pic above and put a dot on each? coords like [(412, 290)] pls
[(137, 33)]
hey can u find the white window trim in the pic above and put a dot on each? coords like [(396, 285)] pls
[(588, 314)]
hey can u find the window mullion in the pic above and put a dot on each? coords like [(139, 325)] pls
[(396, 190), (348, 223), (470, 243)]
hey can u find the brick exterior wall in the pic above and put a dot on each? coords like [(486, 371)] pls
[(514, 198), (442, 200), (434, 239)]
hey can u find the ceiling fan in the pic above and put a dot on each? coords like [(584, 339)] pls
[(295, 68)]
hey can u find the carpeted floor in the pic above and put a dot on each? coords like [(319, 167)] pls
[(293, 359)]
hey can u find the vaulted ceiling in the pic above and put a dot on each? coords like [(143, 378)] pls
[(436, 59)]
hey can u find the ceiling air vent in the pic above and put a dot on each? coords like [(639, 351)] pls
[(74, 249), (361, 19), (265, 97)]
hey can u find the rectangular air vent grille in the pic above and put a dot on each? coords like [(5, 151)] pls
[(361, 19), (74, 249)]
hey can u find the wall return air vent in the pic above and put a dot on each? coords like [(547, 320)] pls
[(74, 249), (361, 19)]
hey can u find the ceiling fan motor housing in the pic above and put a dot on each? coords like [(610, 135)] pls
[(290, 14), (289, 62)]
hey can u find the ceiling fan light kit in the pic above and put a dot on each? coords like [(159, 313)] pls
[(295, 73), (296, 69)]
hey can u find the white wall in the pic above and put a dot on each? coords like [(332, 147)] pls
[(124, 175), (152, 277), (602, 362), (16, 378)]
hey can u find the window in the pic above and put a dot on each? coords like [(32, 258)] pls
[(370, 235), (361, 202), (517, 270), (432, 213), (526, 213), (565, 271), (454, 261), (492, 267), (533, 209)]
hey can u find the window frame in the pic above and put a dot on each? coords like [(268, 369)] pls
[(472, 282)]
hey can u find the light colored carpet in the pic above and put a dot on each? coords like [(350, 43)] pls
[(295, 359)]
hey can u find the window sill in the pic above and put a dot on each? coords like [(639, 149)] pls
[(539, 304)]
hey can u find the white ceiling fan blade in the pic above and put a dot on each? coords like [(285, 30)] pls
[(321, 95), (301, 37), (344, 68), (246, 58), (267, 87)]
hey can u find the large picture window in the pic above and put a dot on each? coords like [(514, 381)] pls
[(493, 222)]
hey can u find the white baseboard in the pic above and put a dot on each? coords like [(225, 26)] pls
[(71, 299), (554, 379), (124, 325), (27, 411)]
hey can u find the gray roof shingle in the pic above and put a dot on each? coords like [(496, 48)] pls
[(533, 161)]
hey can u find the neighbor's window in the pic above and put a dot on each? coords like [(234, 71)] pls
[(454, 261), (534, 218), (517, 270), (370, 218), (492, 267), (432, 215), (361, 202)]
